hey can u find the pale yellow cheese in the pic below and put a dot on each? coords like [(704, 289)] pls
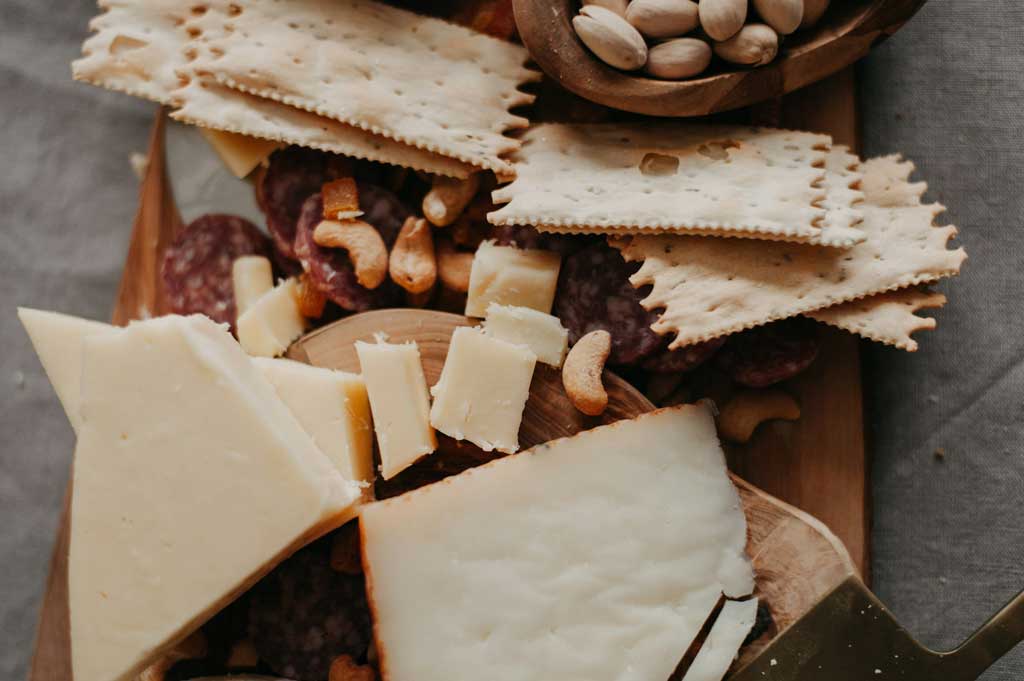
[(511, 276), (240, 153), (268, 327), (191, 480), (723, 643), (399, 402), (541, 333), (482, 391), (252, 277)]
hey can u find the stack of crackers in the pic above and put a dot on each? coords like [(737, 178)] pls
[(355, 77), (736, 227)]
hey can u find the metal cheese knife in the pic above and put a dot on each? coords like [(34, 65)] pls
[(849, 635)]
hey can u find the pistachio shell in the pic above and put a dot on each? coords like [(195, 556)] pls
[(754, 45), (679, 58), (617, 6), (663, 18), (611, 38), (721, 19), (813, 11), (782, 15)]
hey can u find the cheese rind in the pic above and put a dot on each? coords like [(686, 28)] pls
[(400, 403), (542, 333), (592, 558), (723, 643), (252, 277), (512, 276), (184, 450), (268, 327)]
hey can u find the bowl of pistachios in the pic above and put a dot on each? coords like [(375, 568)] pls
[(695, 57)]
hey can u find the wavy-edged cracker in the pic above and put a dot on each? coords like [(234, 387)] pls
[(887, 318), (708, 288), (415, 79), (843, 197), (673, 177)]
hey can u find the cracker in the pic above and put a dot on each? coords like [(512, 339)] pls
[(886, 318), (710, 179), (414, 79), (843, 197), (708, 288)]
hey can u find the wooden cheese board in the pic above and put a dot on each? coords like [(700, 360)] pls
[(817, 464)]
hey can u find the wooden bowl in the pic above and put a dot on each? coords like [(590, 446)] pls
[(845, 34)]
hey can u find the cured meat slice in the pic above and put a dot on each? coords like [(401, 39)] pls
[(771, 353), (683, 359)]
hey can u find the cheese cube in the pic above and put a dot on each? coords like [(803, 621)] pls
[(332, 408), (268, 327), (191, 480), (541, 333), (511, 276), (482, 391), (251, 278), (399, 402), (240, 153)]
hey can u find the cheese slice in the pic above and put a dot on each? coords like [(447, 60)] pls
[(723, 643), (541, 333), (191, 480), (512, 276), (268, 327), (332, 408), (399, 402), (240, 153), (252, 277), (483, 390), (592, 558)]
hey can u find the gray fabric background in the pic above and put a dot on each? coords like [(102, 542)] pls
[(947, 91)]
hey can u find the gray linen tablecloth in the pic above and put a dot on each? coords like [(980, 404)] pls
[(948, 91)]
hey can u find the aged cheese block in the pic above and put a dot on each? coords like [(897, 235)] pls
[(542, 333), (191, 479), (592, 558), (252, 277), (270, 325), (240, 153), (511, 276), (399, 402)]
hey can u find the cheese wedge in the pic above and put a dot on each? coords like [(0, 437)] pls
[(512, 276), (592, 558), (184, 452), (541, 333), (240, 153), (723, 643), (252, 277), (271, 323)]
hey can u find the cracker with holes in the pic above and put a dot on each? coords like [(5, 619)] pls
[(671, 177), (707, 288), (406, 77), (888, 318)]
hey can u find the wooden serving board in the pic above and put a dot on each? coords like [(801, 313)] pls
[(818, 463)]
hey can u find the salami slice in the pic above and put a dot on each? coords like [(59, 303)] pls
[(196, 269), (330, 269), (683, 359), (771, 353), (594, 293), (304, 614)]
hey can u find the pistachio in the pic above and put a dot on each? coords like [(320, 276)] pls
[(754, 45), (782, 15), (617, 6), (721, 19), (679, 58), (813, 11), (611, 38), (663, 18)]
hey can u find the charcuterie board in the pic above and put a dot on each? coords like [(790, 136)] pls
[(817, 463)]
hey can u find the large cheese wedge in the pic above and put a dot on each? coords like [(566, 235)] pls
[(724, 640), (191, 479), (592, 558)]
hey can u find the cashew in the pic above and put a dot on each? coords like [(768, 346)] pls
[(310, 299), (413, 265), (581, 373), (748, 409), (192, 648), (365, 248), (344, 668), (453, 267), (448, 197)]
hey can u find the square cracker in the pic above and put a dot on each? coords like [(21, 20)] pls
[(887, 318), (708, 288), (415, 79), (668, 177)]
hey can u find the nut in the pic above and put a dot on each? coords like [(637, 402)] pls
[(365, 248), (413, 265), (754, 45), (663, 18), (782, 15), (310, 299), (617, 6), (813, 11), (748, 409), (722, 19), (679, 58), (453, 267), (581, 372), (448, 197), (611, 38), (344, 668)]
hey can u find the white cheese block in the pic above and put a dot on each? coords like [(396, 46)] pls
[(399, 402), (191, 480), (592, 558), (511, 276), (723, 643), (542, 333), (268, 327), (332, 408), (482, 391), (251, 277), (240, 153)]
